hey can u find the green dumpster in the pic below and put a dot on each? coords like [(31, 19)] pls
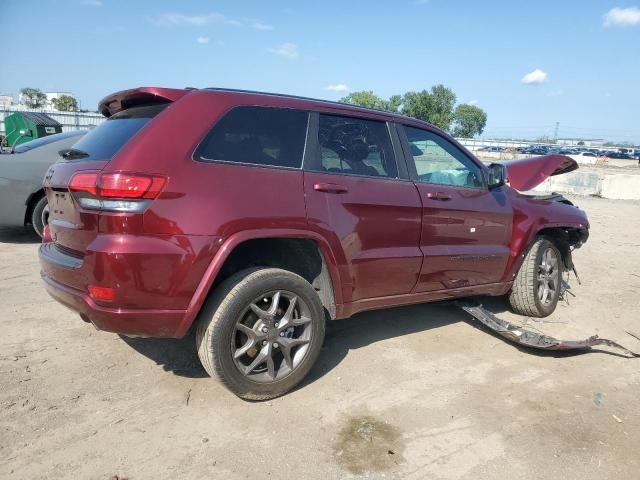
[(21, 127)]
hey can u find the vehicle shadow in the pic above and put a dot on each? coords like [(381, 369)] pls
[(18, 235), (343, 336), (364, 329), (178, 356)]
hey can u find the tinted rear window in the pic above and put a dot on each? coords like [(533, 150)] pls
[(106, 139), (257, 135)]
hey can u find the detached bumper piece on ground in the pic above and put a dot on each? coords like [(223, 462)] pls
[(518, 334)]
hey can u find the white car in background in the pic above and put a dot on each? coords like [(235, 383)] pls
[(584, 158)]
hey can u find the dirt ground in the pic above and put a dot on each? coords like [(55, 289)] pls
[(417, 392)]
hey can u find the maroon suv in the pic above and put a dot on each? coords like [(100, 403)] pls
[(255, 217)]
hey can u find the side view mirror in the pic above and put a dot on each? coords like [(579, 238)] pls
[(497, 175)]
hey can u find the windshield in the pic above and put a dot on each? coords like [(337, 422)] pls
[(111, 135)]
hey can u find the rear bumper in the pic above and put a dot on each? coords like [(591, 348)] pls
[(154, 279), (135, 322)]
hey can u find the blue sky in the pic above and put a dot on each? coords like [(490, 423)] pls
[(583, 57)]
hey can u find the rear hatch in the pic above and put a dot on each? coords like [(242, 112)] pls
[(74, 226)]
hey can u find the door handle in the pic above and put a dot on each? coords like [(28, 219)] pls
[(443, 197), (330, 188)]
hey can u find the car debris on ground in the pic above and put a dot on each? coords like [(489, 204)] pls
[(520, 335)]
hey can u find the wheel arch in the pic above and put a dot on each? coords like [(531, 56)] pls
[(294, 242), (564, 238), (563, 235)]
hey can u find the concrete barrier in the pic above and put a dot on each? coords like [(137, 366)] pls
[(621, 187), (578, 183), (616, 186)]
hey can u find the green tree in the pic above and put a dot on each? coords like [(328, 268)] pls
[(33, 97), (65, 103), (394, 104), (435, 106), (469, 121), (365, 98)]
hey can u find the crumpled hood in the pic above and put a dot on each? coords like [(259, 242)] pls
[(527, 173)]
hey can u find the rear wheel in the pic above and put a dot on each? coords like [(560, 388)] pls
[(40, 216), (537, 287), (260, 332)]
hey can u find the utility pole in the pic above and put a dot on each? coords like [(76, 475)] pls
[(555, 133)]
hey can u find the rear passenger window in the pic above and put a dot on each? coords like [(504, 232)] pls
[(259, 136), (354, 146)]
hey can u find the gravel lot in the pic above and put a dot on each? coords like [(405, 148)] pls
[(415, 392)]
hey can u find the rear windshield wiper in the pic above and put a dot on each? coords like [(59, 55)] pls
[(72, 153)]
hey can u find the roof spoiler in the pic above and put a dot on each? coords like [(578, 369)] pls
[(124, 99)]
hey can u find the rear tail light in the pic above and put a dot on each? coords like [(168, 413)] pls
[(84, 182), (124, 185), (105, 294), (116, 192)]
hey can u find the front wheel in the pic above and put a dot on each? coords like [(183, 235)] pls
[(260, 332), (538, 285)]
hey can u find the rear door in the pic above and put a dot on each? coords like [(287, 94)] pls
[(466, 229), (357, 199)]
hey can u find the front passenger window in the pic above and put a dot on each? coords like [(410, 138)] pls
[(439, 161)]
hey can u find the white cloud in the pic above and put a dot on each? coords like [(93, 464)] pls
[(536, 77), (202, 40), (261, 26), (92, 3), (287, 50), (338, 87), (622, 17), (472, 102), (172, 19)]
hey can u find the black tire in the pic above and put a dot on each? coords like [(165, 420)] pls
[(217, 330), (527, 293), (40, 215)]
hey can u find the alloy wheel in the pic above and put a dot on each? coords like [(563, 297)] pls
[(271, 337), (548, 278)]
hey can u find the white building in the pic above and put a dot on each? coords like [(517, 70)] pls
[(52, 95), (587, 142), (6, 100)]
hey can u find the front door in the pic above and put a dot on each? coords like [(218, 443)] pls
[(466, 228), (356, 200)]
